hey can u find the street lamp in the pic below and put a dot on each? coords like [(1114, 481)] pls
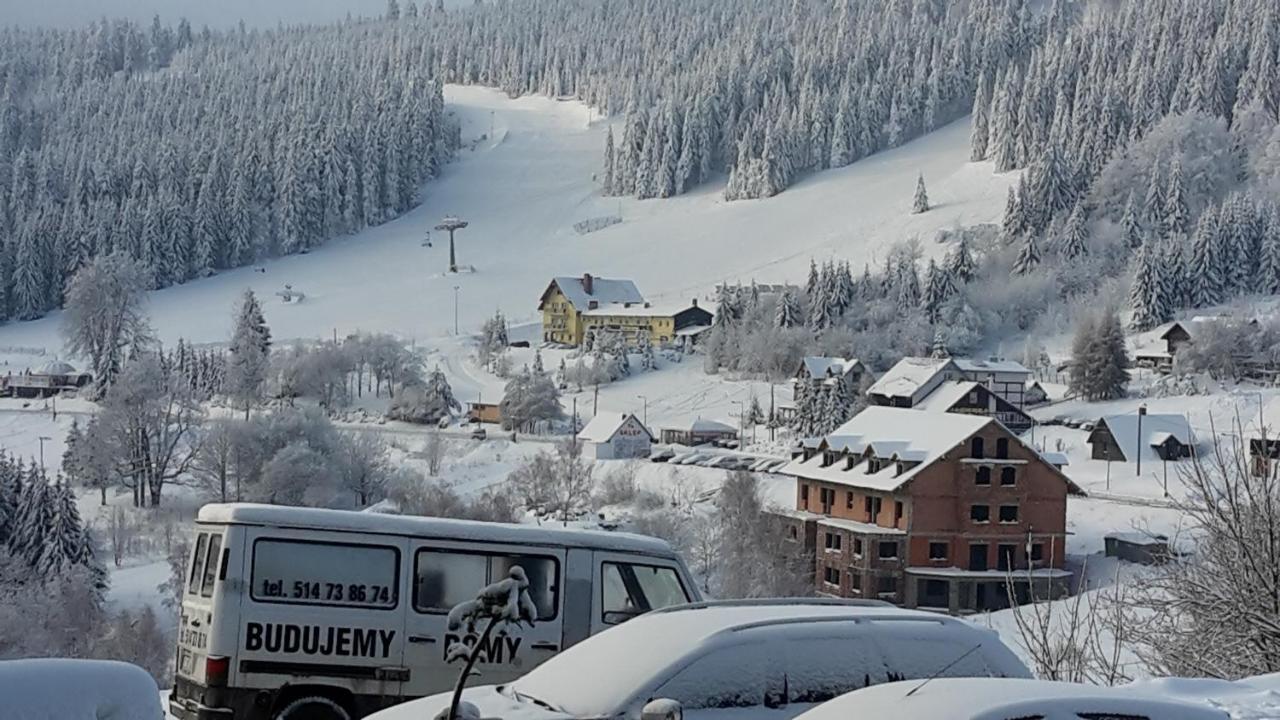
[(455, 309), (1142, 412), (741, 411), (452, 224), (646, 409), (42, 438)]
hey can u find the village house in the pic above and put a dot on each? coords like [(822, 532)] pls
[(50, 379), (911, 380), (1006, 378), (698, 432), (664, 324), (935, 510), (818, 371), (567, 298), (972, 398), (1178, 335), (1125, 438), (956, 385), (615, 436), (573, 308)]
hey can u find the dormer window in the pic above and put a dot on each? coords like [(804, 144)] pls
[(850, 461), (899, 468)]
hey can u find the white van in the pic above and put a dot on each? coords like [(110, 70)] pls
[(297, 613)]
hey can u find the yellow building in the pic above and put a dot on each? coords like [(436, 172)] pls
[(573, 307), (567, 298)]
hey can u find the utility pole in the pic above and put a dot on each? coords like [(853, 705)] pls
[(1142, 411), (646, 409), (452, 224), (595, 401)]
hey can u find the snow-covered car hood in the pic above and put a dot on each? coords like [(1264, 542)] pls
[(487, 699)]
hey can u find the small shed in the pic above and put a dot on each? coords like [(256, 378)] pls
[(1157, 437), (614, 436), (698, 432), (1264, 451), (1035, 394), (1137, 547), (482, 412)]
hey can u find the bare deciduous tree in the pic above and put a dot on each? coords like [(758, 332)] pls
[(1214, 608), (149, 422)]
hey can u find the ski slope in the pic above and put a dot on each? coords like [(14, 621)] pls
[(522, 188)]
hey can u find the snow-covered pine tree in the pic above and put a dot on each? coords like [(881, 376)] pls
[(1207, 263), (609, 182), (788, 312), (537, 360), (1269, 272), (1130, 228), (1176, 213), (66, 544), (1239, 242), (938, 348), (10, 492), (644, 346), (1147, 297), (920, 204), (907, 283), (1028, 258), (960, 264), (1153, 208), (250, 350), (1015, 221), (935, 291), (811, 286), (33, 519), (1075, 238)]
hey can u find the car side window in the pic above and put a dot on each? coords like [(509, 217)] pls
[(730, 677), (821, 668), (443, 579), (630, 589)]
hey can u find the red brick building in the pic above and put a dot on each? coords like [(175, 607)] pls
[(935, 510)]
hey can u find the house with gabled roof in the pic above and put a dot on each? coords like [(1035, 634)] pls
[(613, 436), (566, 299), (911, 380), (973, 398), (933, 509), (1151, 437)]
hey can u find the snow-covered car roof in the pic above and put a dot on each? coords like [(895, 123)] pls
[(428, 527), (77, 690), (653, 645), (1002, 699)]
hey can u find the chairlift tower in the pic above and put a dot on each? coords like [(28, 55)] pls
[(452, 224)]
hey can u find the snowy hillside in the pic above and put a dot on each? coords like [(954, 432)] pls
[(524, 187)]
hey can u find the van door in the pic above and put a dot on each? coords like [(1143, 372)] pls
[(196, 618), (326, 607), (448, 573), (630, 585)]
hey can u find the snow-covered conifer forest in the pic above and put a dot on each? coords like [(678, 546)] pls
[(197, 152)]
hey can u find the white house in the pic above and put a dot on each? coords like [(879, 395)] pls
[(614, 436)]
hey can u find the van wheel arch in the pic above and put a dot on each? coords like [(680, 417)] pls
[(301, 703)]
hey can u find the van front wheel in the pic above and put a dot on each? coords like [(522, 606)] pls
[(316, 707)]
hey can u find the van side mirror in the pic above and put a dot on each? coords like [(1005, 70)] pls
[(617, 617), (662, 709)]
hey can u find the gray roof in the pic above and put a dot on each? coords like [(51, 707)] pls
[(1000, 366), (56, 367), (819, 368), (605, 291), (1156, 429)]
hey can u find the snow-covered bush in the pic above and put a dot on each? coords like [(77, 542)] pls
[(413, 494), (425, 403), (558, 484)]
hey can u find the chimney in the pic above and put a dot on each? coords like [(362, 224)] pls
[(588, 283), (695, 302)]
